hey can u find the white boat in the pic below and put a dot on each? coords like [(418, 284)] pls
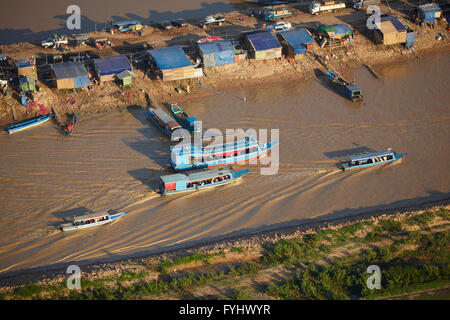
[(91, 220)]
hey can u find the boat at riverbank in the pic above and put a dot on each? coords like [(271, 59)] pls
[(189, 123), (177, 183), (91, 220), (371, 159), (348, 90), (163, 121), (28, 123), (229, 151), (71, 126)]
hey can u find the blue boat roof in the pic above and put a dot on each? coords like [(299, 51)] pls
[(69, 70), (23, 63), (191, 119), (297, 39), (170, 58), (127, 23), (263, 40), (371, 155), (112, 65), (430, 7), (216, 46), (195, 176)]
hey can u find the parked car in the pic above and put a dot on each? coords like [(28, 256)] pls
[(165, 25), (211, 20), (280, 26), (55, 40), (180, 22)]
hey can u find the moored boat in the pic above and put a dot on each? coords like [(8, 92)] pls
[(371, 159), (189, 123), (193, 156), (28, 123), (179, 182), (162, 120), (71, 126), (348, 90), (91, 220)]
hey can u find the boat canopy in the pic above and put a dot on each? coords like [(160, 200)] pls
[(196, 176), (371, 155), (191, 120), (163, 116), (90, 216)]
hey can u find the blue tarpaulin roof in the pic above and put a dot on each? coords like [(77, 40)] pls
[(395, 22), (112, 65), (223, 52), (170, 57), (72, 70), (297, 39), (23, 63), (342, 29), (263, 40), (126, 23)]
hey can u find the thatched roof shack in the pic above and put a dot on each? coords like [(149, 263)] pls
[(70, 75), (295, 42), (107, 68), (263, 45), (171, 63), (389, 31)]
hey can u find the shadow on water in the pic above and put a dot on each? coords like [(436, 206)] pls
[(146, 177), (337, 217)]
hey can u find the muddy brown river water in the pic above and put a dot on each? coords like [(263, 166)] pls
[(114, 163)]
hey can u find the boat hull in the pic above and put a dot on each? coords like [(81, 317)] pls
[(28, 124), (384, 163)]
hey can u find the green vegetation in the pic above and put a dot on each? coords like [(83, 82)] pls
[(410, 260)]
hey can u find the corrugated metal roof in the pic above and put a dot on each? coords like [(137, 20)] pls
[(371, 155), (263, 40), (170, 58), (112, 65), (297, 39), (69, 70)]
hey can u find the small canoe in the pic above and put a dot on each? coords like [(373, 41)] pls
[(91, 220), (189, 123), (179, 182), (28, 123), (370, 160), (71, 126), (348, 90)]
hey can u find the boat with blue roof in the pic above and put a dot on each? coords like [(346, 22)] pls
[(163, 121), (348, 90), (381, 158), (189, 123), (28, 123), (206, 154), (91, 220), (179, 182)]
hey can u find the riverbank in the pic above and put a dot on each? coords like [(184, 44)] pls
[(108, 96), (268, 265)]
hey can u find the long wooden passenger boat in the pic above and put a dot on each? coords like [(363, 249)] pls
[(91, 220), (71, 126), (28, 123), (189, 123), (162, 120), (371, 159), (193, 156), (348, 90), (179, 182)]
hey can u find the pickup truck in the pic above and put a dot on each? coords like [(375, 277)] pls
[(361, 4), (317, 6), (211, 20), (271, 14), (54, 41)]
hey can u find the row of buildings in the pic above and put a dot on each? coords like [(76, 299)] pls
[(172, 63)]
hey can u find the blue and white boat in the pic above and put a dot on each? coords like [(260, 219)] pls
[(28, 123), (162, 120), (381, 158), (189, 123), (179, 182), (349, 90), (194, 156), (91, 220)]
